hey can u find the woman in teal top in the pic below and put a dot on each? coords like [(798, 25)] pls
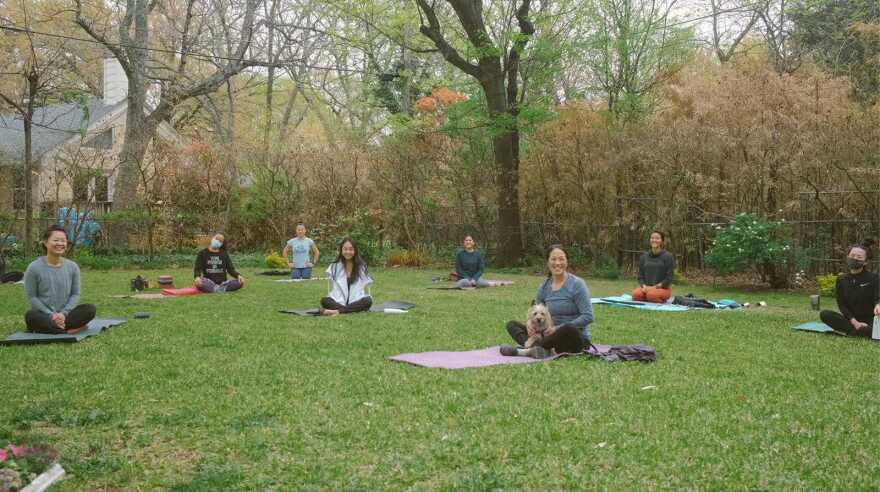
[(469, 266)]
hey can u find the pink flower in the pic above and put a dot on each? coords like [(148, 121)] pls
[(17, 451), (3, 455)]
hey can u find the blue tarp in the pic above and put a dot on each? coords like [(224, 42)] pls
[(83, 225)]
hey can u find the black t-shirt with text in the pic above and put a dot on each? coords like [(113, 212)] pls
[(214, 266)]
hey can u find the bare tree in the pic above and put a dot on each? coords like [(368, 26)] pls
[(732, 21), (778, 34), (205, 44), (35, 68)]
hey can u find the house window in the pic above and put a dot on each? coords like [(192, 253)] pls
[(102, 188), (102, 141), (81, 188)]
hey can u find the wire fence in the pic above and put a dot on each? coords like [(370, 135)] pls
[(822, 239)]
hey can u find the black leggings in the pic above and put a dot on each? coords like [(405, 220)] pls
[(40, 322), (11, 277), (362, 304), (839, 323), (565, 339)]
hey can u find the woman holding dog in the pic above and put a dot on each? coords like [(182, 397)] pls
[(52, 286), (568, 301), (656, 269), (858, 295), (469, 266), (349, 282)]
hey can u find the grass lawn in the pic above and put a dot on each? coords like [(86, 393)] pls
[(223, 393)]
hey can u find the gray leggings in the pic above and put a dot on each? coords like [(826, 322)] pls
[(466, 282)]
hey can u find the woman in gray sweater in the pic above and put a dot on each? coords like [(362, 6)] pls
[(568, 301), (52, 285)]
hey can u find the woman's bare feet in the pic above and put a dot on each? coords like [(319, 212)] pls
[(329, 312)]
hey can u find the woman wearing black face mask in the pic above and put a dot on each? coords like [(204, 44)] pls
[(858, 296)]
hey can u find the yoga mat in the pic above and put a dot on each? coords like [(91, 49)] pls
[(186, 291), (473, 358), (626, 301), (295, 280), (276, 273), (816, 327), (375, 308), (492, 283), (95, 327), (143, 295)]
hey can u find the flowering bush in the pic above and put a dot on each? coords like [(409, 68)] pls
[(751, 243), (276, 261), (827, 285), (20, 465)]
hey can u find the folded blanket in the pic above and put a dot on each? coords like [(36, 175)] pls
[(95, 327)]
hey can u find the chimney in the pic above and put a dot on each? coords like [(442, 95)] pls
[(115, 82)]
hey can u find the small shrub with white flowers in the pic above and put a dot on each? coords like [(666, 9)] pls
[(750, 243)]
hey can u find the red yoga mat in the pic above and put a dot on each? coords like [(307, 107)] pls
[(186, 291)]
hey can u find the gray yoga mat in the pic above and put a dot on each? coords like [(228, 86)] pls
[(375, 308), (96, 326)]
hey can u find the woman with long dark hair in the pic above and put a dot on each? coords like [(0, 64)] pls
[(212, 266), (349, 282), (568, 301), (52, 286), (858, 295)]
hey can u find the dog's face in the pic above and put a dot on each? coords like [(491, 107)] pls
[(539, 318)]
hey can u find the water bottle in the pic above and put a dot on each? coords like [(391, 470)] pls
[(875, 333)]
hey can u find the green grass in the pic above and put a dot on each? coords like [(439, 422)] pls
[(223, 393)]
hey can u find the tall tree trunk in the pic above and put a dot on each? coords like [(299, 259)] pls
[(33, 86)]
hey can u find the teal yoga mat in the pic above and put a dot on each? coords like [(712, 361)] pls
[(816, 327)]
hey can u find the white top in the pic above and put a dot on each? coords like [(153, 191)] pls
[(339, 289)]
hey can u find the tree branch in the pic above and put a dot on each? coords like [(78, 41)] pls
[(432, 32)]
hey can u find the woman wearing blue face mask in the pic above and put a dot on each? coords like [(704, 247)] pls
[(858, 295), (212, 266)]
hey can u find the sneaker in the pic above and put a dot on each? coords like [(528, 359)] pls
[(508, 351)]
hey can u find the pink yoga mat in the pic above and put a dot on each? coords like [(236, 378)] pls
[(471, 358), (186, 291)]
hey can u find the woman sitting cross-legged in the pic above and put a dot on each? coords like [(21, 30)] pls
[(568, 301), (469, 266), (52, 286), (858, 296), (349, 282), (656, 269), (212, 266)]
